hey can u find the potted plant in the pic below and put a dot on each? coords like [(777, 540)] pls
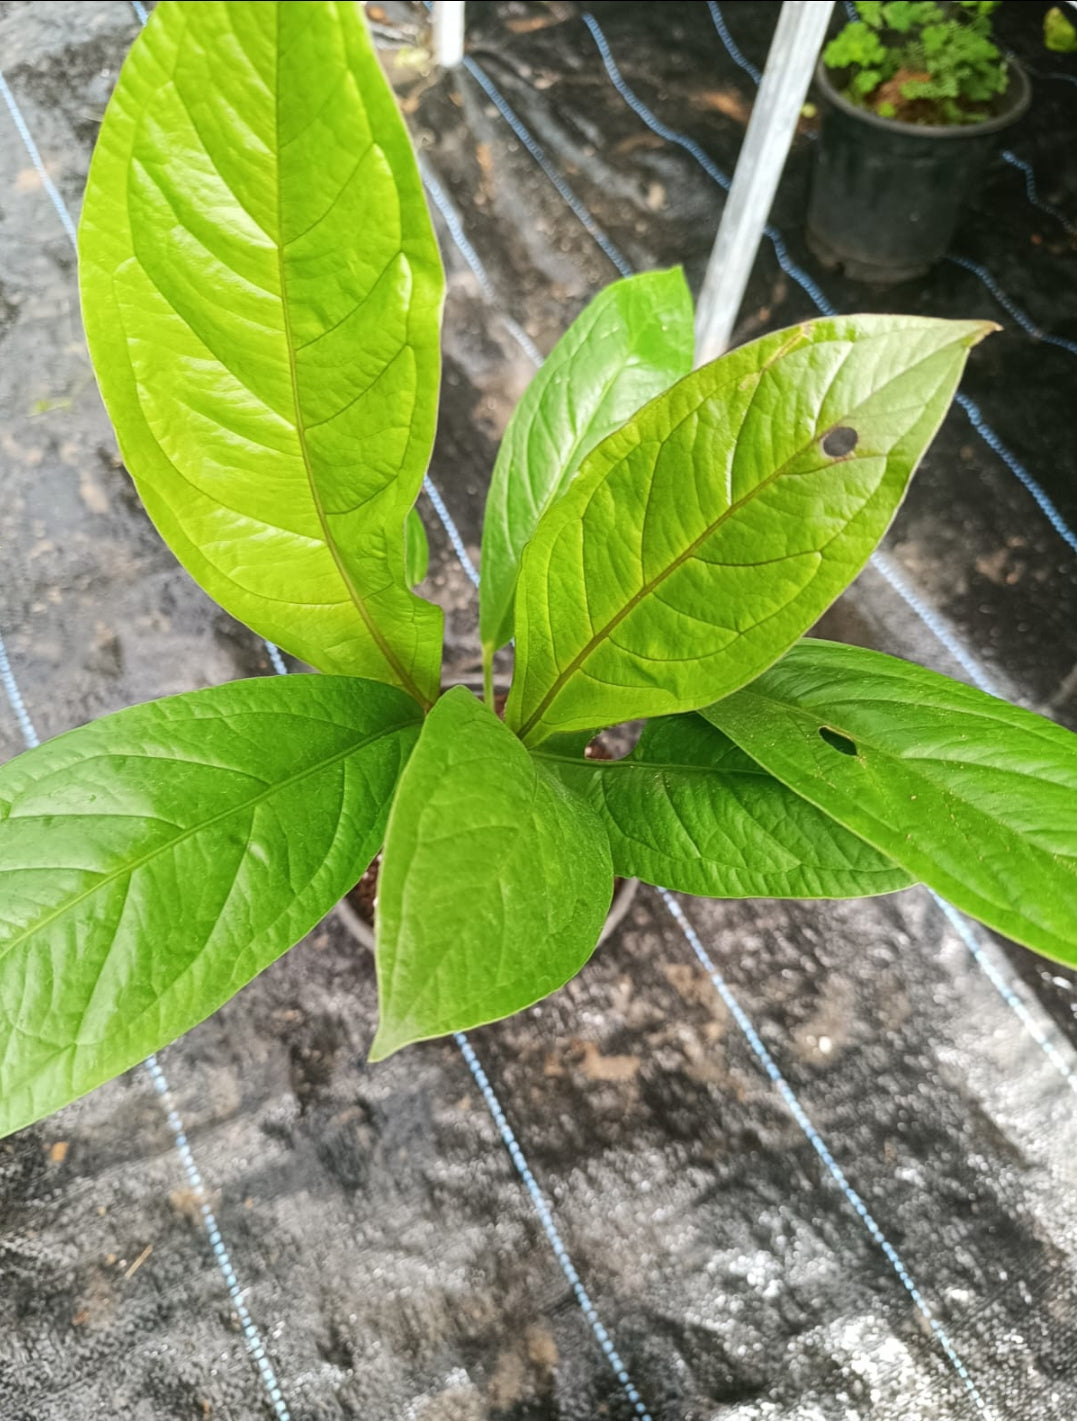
[(914, 98), (262, 297)]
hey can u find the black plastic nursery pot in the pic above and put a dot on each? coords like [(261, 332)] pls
[(886, 196)]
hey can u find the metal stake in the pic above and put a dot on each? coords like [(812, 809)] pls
[(448, 32), (790, 64)]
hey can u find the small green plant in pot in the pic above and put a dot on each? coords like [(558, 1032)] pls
[(924, 63), (262, 296), (914, 96)]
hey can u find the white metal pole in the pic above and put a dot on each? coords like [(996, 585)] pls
[(790, 65), (448, 32)]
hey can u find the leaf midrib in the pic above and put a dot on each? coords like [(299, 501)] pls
[(626, 762), (559, 682), (166, 846), (404, 676), (604, 632), (914, 764)]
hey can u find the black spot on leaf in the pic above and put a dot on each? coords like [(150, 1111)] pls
[(837, 741), (840, 441)]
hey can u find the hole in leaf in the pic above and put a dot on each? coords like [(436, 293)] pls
[(840, 441), (837, 741)]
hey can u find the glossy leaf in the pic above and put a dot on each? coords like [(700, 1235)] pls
[(154, 861), (262, 291), (495, 881), (632, 342), (416, 549), (690, 811), (699, 541), (975, 797)]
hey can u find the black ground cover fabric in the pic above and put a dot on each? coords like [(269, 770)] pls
[(388, 1262)]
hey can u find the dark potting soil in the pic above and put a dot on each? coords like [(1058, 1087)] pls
[(364, 893), (385, 1249), (917, 111)]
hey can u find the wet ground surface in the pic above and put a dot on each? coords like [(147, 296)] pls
[(387, 1252)]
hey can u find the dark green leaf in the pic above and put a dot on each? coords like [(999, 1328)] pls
[(975, 797), (154, 861), (631, 343), (262, 294), (689, 811), (494, 885), (699, 541)]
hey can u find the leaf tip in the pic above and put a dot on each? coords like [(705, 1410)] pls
[(980, 331), (388, 1040)]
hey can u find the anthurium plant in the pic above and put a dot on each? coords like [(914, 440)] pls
[(262, 295)]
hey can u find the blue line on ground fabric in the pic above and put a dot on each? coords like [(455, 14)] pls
[(443, 203), (490, 89), (690, 146), (731, 48), (251, 1335), (542, 1209), (35, 158), (1008, 304), (438, 503), (964, 931), (1032, 191), (586, 218), (936, 624), (452, 221), (993, 442), (837, 1174), (15, 700)]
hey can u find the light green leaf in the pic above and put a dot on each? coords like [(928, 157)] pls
[(631, 343), (154, 861), (262, 292), (689, 811), (495, 881), (975, 797), (416, 549), (699, 541), (1059, 32)]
